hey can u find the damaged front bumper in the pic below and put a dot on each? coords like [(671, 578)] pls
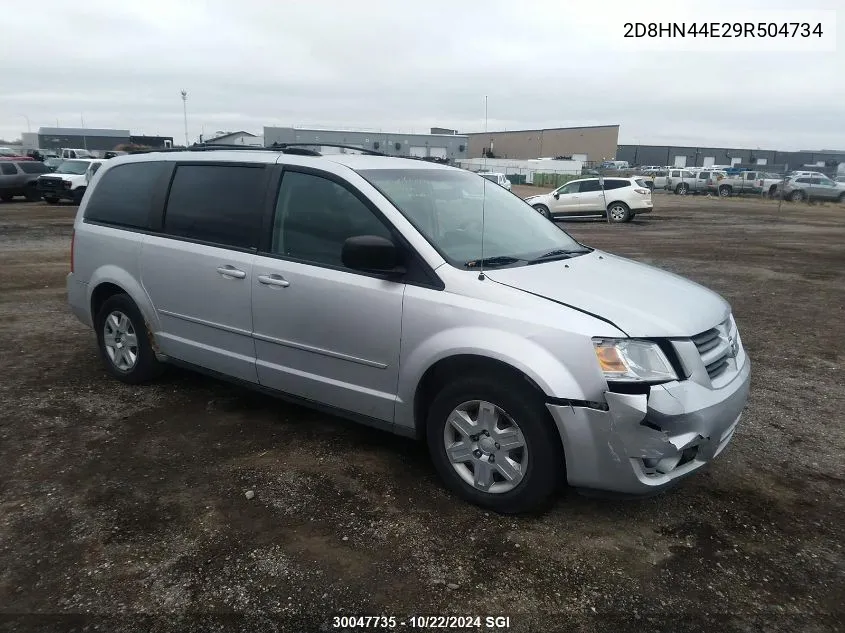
[(640, 444)]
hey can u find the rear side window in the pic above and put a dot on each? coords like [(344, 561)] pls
[(590, 185), (220, 204), (806, 181), (8, 169), (704, 175), (616, 184), (124, 195), (34, 167)]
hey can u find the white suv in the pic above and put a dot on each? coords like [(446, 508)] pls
[(621, 199)]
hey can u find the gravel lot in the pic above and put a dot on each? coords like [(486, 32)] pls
[(128, 504)]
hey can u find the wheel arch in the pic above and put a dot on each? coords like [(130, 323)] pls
[(446, 369), (110, 280)]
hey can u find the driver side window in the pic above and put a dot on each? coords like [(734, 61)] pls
[(572, 187), (315, 216)]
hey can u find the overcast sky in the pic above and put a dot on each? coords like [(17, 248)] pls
[(396, 65)]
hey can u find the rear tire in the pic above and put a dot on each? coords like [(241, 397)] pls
[(842, 197), (543, 210), (619, 212), (539, 462), (6, 197), (124, 345)]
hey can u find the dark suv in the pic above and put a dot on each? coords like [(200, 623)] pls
[(18, 178)]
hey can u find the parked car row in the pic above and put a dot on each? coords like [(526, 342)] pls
[(35, 180)]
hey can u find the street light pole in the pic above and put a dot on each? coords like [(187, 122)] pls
[(185, 113), (28, 127)]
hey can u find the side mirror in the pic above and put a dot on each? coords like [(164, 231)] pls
[(371, 253), (556, 195)]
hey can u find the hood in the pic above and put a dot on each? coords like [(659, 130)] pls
[(641, 300), (70, 177)]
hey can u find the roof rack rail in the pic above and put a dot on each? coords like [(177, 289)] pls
[(213, 148), (363, 150)]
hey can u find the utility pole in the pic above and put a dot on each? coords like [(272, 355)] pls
[(185, 113)]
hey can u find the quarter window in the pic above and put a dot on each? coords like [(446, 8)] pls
[(8, 169), (220, 204), (315, 216), (124, 194)]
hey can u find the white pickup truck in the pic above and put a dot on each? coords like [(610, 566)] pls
[(69, 181)]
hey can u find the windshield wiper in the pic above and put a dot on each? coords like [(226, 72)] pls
[(502, 260), (560, 253)]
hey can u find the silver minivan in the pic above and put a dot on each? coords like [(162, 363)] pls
[(417, 298)]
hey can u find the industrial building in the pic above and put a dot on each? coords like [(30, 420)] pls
[(685, 156), (593, 143), (95, 139), (440, 146), (92, 139), (234, 138)]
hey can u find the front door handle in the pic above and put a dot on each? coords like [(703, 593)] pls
[(273, 280), (231, 271)]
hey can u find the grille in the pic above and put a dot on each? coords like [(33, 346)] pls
[(715, 347), (50, 184)]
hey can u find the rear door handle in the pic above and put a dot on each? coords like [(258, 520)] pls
[(231, 271), (273, 280)]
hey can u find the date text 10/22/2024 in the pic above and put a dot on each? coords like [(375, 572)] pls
[(390, 622)]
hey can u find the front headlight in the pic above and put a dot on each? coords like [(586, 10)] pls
[(630, 360)]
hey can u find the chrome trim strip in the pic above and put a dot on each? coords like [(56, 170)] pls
[(320, 350)]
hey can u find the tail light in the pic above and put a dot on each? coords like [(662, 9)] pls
[(72, 240), (644, 192)]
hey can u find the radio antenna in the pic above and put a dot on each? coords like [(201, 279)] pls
[(483, 197)]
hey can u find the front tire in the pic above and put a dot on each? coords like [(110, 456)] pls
[(796, 196), (681, 190), (6, 197), (493, 444), (51, 200), (543, 210), (619, 212), (725, 192), (123, 341)]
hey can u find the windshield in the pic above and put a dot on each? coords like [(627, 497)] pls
[(75, 167), (445, 205)]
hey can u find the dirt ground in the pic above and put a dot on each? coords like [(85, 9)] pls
[(124, 507)]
